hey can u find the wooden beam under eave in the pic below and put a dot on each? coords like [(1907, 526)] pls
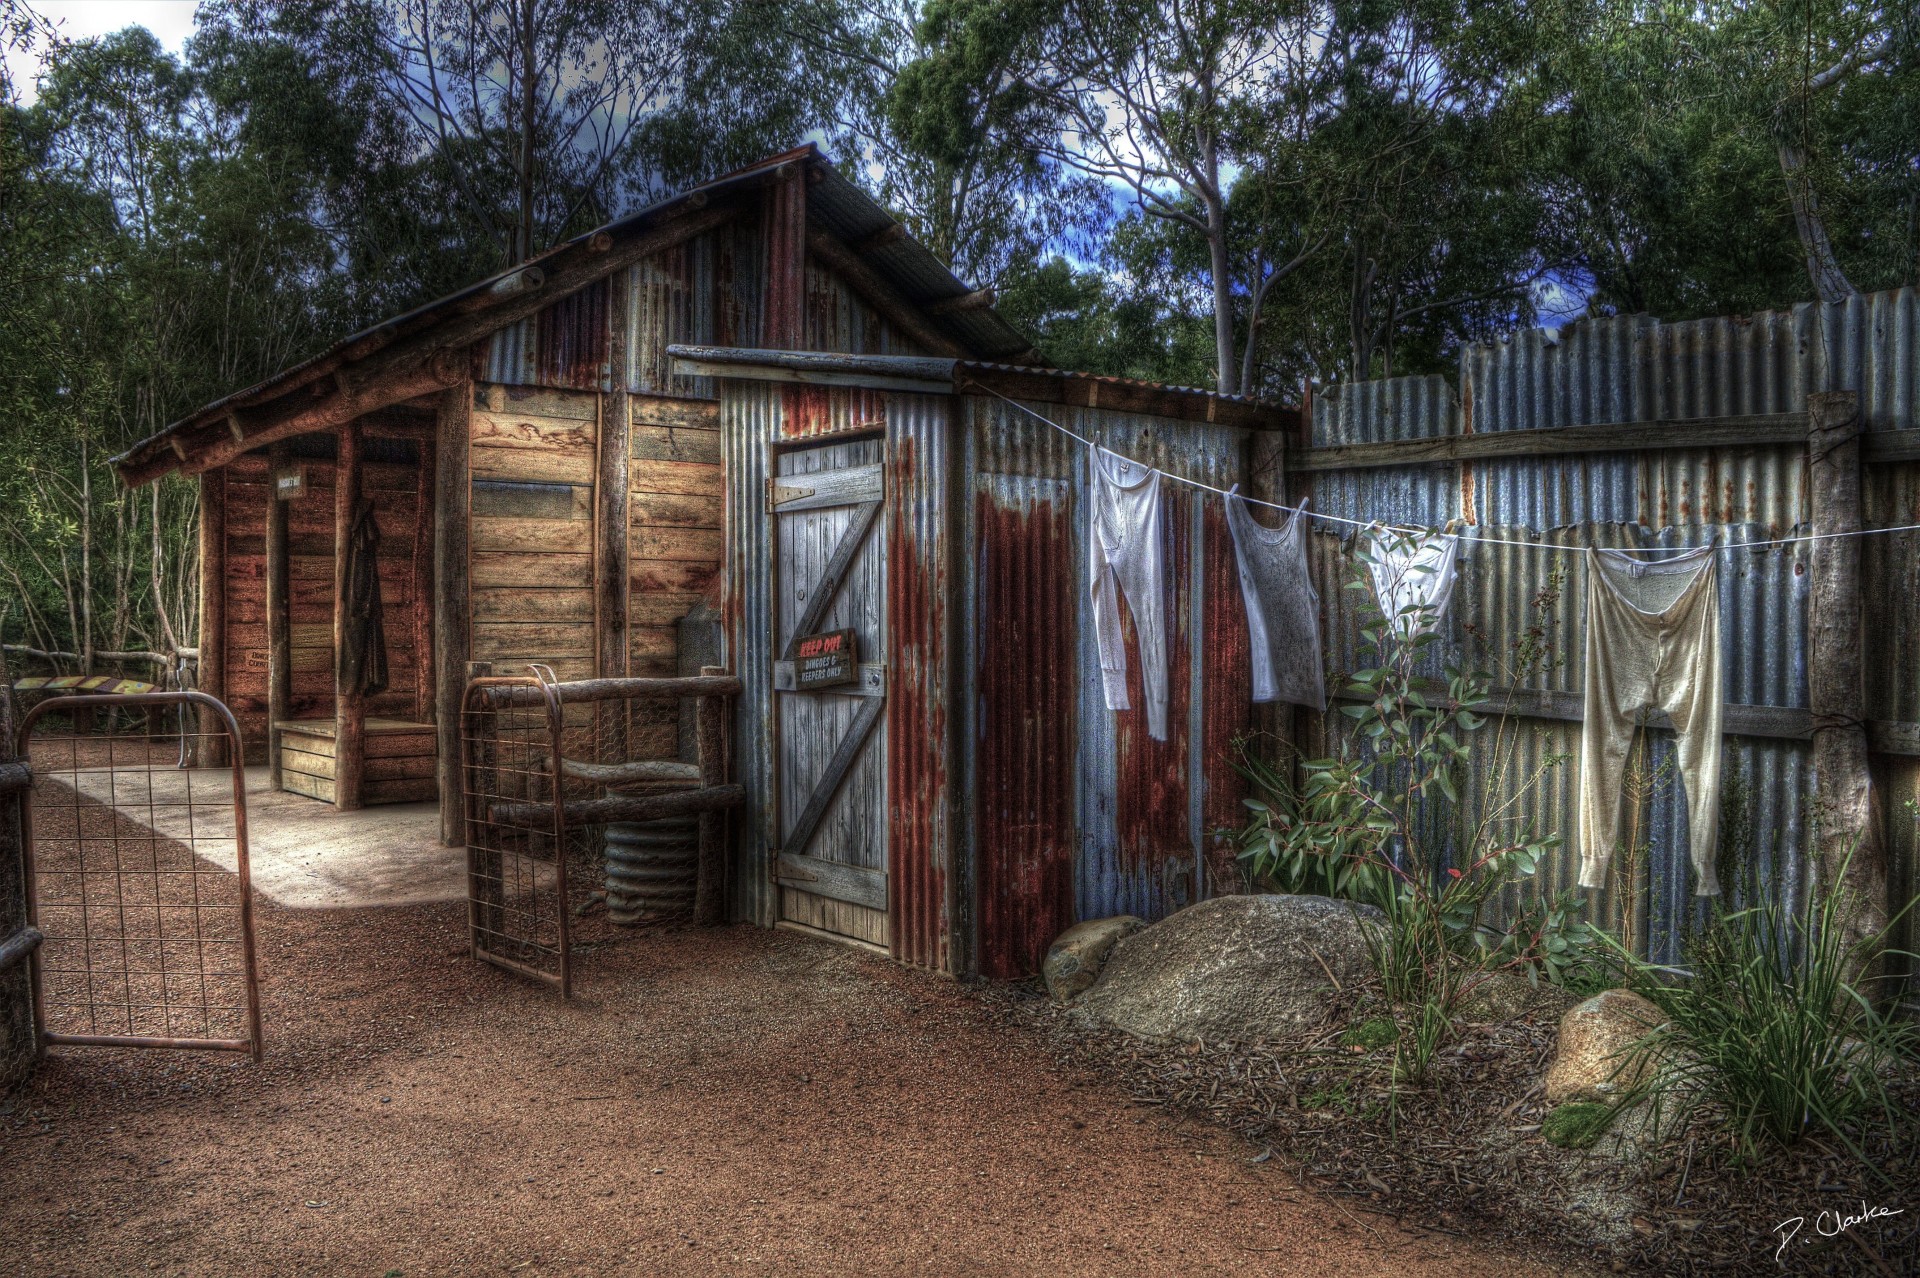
[(881, 295), (978, 300)]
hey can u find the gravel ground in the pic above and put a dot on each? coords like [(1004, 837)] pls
[(711, 1101)]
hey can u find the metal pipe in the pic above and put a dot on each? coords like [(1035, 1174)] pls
[(17, 947)]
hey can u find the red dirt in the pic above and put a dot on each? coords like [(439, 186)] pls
[(730, 1100)]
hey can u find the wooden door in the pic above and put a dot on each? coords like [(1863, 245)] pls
[(830, 861)]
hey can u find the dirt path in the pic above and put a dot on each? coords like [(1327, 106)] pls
[(730, 1101)]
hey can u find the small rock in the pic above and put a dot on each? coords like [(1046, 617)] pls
[(1599, 1055), (1076, 956)]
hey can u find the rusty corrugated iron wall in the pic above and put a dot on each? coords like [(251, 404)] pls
[(1626, 369), (1124, 829), (921, 547), (712, 289)]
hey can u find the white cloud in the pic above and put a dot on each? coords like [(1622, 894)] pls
[(171, 22)]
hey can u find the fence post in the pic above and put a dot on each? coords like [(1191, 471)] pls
[(19, 1024), (279, 611), (212, 680), (710, 883), (452, 498), (1848, 836), (349, 703)]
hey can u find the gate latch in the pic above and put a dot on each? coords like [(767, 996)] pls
[(778, 493)]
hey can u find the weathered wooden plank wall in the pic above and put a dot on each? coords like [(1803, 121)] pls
[(393, 486), (532, 460)]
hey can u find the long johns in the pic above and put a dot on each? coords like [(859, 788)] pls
[(1653, 642), (1125, 559)]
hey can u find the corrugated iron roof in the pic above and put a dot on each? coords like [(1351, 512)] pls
[(931, 373), (835, 205)]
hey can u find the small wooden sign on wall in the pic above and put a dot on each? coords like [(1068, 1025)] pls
[(290, 484), (826, 660)]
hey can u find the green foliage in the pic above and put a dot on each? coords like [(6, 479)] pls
[(1361, 826), (1372, 1034), (1773, 1028), (1576, 1125)]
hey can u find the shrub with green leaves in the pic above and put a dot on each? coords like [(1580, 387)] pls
[(1369, 824)]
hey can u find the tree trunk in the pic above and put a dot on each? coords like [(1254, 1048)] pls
[(1229, 373), (1830, 283), (1360, 317), (1850, 855), (523, 231)]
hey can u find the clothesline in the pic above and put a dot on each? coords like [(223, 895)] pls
[(1415, 528)]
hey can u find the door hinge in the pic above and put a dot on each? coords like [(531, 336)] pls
[(779, 493)]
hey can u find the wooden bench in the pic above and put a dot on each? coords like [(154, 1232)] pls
[(399, 765)]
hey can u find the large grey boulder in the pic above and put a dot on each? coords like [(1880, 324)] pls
[(1236, 969), (1076, 956), (1599, 1055)]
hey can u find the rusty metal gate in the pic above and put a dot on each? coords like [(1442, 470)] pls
[(550, 776), (137, 873), (830, 860), (517, 908)]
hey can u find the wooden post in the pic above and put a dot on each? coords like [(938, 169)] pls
[(610, 522), (279, 613), (213, 614), (1850, 854), (349, 705), (421, 614), (710, 876), (452, 499)]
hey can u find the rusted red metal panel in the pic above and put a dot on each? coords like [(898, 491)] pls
[(786, 237), (919, 552), (1226, 700), (816, 412), (1152, 818), (571, 340), (1025, 692)]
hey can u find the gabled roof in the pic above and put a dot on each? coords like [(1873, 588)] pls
[(423, 350)]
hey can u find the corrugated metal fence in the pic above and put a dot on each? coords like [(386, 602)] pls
[(1637, 369)]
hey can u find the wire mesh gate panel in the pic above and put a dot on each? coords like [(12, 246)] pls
[(137, 873), (517, 909), (598, 790)]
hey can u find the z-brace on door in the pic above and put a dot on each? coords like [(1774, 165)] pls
[(830, 859)]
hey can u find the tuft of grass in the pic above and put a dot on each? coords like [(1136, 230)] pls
[(1772, 1030), (1576, 1125), (1371, 1035), (1335, 1098)]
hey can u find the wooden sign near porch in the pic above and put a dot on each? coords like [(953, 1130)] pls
[(826, 660), (290, 484)]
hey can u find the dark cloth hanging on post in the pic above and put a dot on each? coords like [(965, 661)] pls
[(363, 654)]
